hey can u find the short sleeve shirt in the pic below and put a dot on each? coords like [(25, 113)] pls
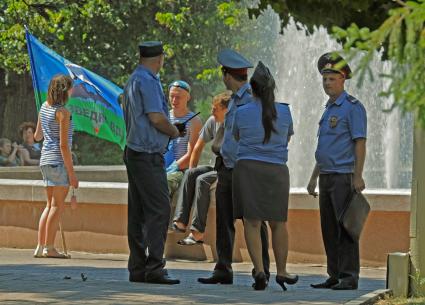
[(341, 124), (229, 148), (213, 131), (143, 94), (248, 126)]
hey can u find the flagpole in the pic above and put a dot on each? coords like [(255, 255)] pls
[(33, 70)]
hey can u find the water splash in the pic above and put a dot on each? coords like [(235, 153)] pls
[(292, 58)]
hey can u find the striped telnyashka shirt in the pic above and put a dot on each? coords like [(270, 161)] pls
[(180, 143), (51, 153)]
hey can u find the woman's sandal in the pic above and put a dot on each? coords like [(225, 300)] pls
[(53, 253), (38, 252), (190, 241)]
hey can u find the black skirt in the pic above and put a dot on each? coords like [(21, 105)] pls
[(260, 190)]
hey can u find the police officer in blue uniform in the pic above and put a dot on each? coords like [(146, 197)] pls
[(235, 76), (148, 132), (340, 156)]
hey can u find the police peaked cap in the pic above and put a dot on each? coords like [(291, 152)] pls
[(233, 61), (151, 48), (333, 62)]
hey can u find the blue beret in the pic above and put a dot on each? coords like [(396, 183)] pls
[(180, 84), (231, 59), (151, 48)]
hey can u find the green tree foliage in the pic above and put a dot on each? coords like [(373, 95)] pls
[(395, 28), (103, 35), (403, 34), (312, 13)]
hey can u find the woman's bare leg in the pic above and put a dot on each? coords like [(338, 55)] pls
[(253, 243), (56, 209), (43, 218), (280, 245)]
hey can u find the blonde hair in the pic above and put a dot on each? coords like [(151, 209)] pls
[(222, 99), (57, 93)]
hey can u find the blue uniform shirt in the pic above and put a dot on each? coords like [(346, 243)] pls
[(248, 126), (230, 146), (142, 95), (342, 122)]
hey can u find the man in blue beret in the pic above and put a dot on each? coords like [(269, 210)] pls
[(148, 132), (340, 157), (182, 147), (235, 77)]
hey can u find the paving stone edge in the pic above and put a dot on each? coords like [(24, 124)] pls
[(370, 298)]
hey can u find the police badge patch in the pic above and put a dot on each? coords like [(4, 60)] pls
[(333, 121)]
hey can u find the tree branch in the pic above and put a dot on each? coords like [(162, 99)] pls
[(401, 3), (41, 9)]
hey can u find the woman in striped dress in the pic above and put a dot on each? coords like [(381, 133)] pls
[(55, 126)]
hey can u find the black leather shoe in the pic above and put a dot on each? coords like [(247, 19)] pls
[(266, 272), (345, 286), (326, 284), (160, 277), (218, 277), (261, 281), (137, 278)]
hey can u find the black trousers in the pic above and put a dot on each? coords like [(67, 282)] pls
[(148, 211), (225, 227), (342, 252)]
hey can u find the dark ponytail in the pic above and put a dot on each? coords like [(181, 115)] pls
[(264, 90)]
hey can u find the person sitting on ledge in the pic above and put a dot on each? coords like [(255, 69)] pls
[(9, 153), (197, 181), (31, 151), (182, 147)]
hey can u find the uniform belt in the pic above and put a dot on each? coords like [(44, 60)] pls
[(330, 174), (141, 153), (219, 164)]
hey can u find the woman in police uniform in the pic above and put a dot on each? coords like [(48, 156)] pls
[(261, 179)]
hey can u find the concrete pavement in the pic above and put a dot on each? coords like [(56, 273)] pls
[(26, 280)]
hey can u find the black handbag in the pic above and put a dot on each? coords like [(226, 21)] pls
[(354, 216)]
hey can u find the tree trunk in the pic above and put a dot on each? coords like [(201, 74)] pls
[(2, 99), (417, 218), (17, 103)]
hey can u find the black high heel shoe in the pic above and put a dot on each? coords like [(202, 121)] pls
[(260, 281), (281, 280)]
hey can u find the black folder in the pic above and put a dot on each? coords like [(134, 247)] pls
[(355, 215)]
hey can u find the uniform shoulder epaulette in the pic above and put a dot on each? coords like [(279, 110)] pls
[(352, 99)]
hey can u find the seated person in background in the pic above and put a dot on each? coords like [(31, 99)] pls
[(9, 153), (197, 181), (31, 151), (179, 94)]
